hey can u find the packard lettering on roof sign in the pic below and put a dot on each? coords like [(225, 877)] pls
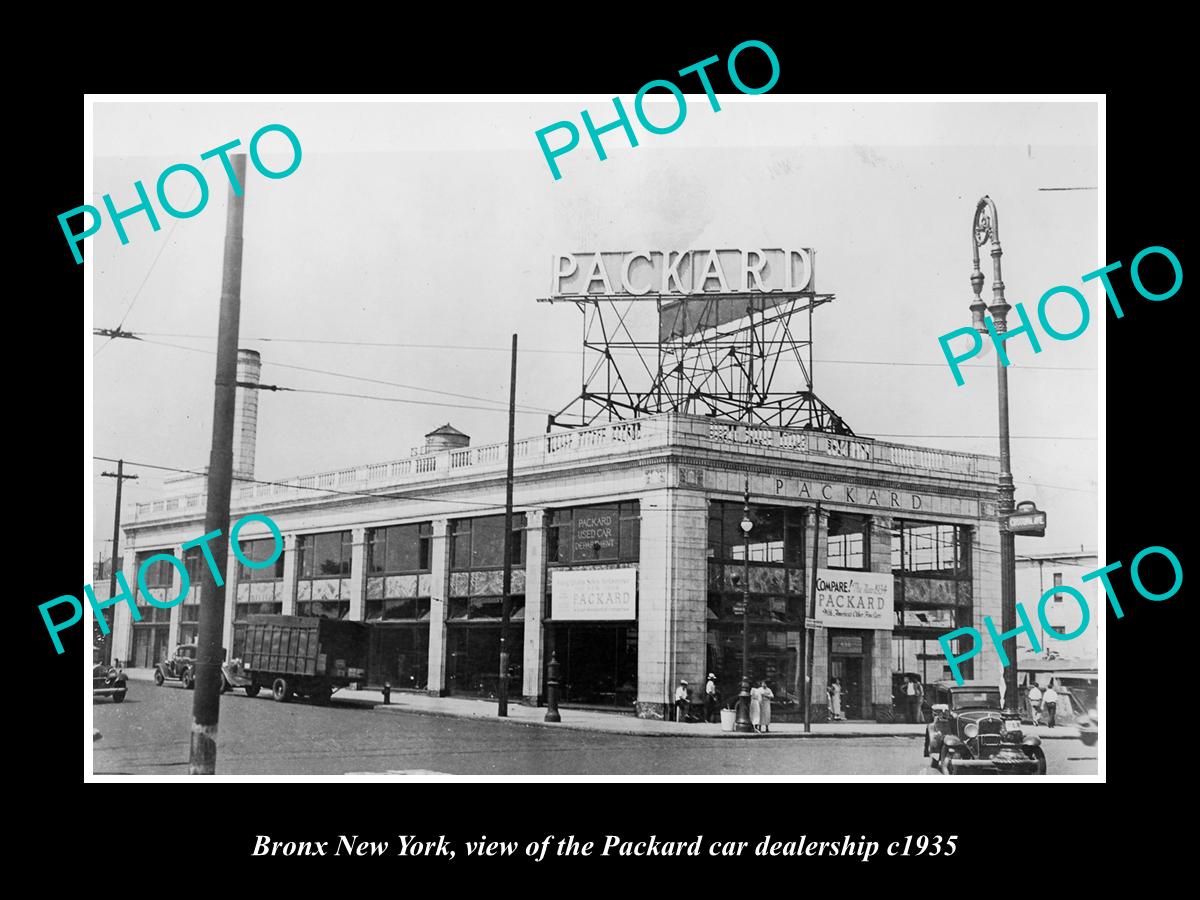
[(736, 280), (855, 599), (593, 595)]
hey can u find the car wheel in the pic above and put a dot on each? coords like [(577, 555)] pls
[(252, 690), (944, 762), (1036, 754), (118, 696), (158, 677), (224, 684), (188, 679), (281, 691)]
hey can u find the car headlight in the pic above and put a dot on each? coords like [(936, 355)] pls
[(112, 672), (971, 730)]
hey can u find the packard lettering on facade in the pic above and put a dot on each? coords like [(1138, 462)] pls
[(627, 561)]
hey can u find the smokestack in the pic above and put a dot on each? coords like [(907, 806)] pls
[(245, 421)]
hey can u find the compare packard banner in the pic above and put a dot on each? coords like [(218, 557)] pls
[(854, 599), (593, 594)]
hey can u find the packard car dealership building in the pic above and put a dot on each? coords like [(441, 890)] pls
[(629, 555), (627, 562)]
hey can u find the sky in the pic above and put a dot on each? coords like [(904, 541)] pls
[(433, 225)]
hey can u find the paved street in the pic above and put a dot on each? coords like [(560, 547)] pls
[(148, 735)]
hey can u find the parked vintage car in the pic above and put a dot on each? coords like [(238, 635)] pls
[(107, 681), (970, 734), (180, 667)]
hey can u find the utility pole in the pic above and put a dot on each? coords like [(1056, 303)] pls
[(112, 576), (506, 604), (206, 704), (807, 653)]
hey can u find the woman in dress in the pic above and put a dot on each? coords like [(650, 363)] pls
[(835, 699), (765, 696), (755, 706)]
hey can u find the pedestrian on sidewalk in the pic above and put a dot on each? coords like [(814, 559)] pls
[(681, 701), (756, 707), (913, 692), (711, 700), (835, 699), (1035, 703), (765, 696), (1050, 704)]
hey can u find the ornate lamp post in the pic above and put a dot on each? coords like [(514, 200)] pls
[(985, 229), (742, 721)]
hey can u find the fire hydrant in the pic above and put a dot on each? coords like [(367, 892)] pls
[(387, 692)]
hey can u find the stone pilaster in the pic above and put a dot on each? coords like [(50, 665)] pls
[(985, 564), (880, 676), (439, 588), (814, 558), (176, 610), (291, 559), (120, 618), (358, 573), (535, 603), (672, 597), (232, 579)]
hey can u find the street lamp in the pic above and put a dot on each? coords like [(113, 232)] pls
[(985, 229), (741, 722)]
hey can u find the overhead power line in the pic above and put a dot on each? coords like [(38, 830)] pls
[(477, 348)]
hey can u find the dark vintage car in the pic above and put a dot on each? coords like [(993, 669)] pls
[(1089, 728), (971, 735), (180, 667), (107, 681)]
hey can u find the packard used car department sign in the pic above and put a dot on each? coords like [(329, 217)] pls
[(593, 594), (854, 599)]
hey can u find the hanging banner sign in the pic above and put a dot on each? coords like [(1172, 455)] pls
[(855, 599)]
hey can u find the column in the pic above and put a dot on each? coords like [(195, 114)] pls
[(880, 677), (232, 579), (815, 558), (358, 572), (535, 602), (672, 597), (120, 618), (439, 585), (985, 577), (176, 584), (290, 559)]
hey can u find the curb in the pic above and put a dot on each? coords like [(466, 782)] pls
[(725, 735)]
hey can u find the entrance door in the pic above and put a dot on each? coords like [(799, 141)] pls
[(849, 670)]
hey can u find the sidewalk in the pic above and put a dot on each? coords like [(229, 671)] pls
[(624, 723)]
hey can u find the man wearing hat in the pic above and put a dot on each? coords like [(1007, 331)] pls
[(711, 700), (681, 701)]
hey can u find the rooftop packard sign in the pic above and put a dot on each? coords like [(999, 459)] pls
[(636, 273)]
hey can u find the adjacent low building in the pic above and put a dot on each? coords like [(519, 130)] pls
[(629, 563)]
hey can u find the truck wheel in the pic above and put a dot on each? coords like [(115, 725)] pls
[(1036, 754), (281, 690), (252, 690), (118, 696), (158, 677)]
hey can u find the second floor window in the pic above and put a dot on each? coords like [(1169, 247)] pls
[(324, 555), (479, 543), (399, 548), (260, 551)]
